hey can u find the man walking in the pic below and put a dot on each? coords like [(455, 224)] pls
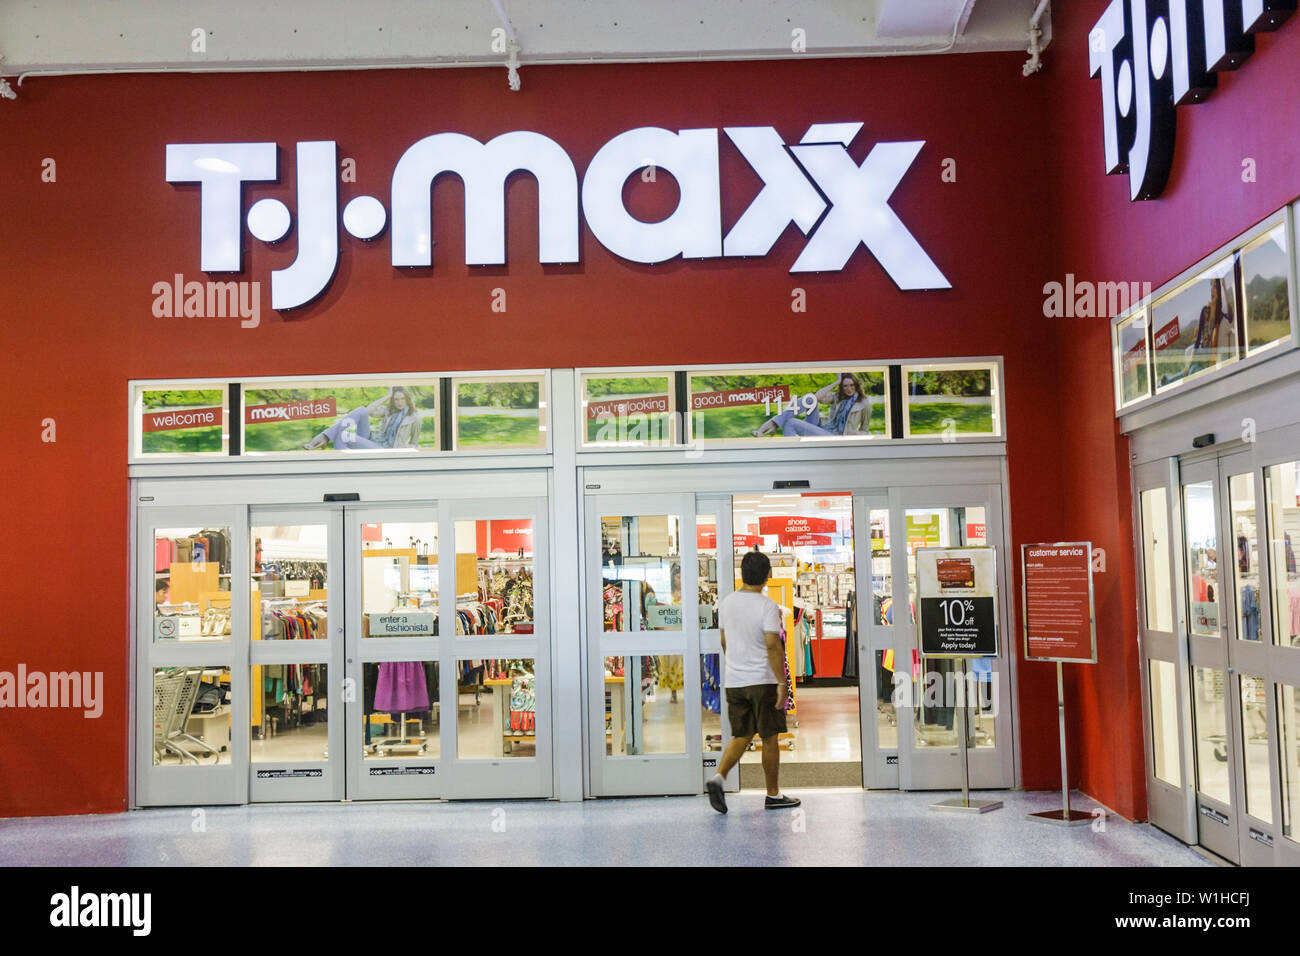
[(755, 680)]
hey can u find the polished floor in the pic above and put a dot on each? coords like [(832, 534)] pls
[(835, 827)]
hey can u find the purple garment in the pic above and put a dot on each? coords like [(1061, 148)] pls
[(401, 687)]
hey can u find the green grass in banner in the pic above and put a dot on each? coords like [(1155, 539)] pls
[(182, 441), (291, 436), (602, 389), (638, 427), (928, 419), (740, 421), (488, 429)]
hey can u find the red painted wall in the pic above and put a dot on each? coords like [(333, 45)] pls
[(1105, 237), (80, 255)]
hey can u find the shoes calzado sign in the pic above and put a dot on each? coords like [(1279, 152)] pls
[(1154, 55), (815, 184)]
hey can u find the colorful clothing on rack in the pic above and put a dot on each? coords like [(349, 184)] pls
[(401, 687)]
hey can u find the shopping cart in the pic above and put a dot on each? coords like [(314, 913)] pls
[(175, 692)]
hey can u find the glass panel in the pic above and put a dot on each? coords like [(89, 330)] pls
[(886, 713), (793, 404), (341, 416), (1255, 744), (1134, 358), (191, 716), (497, 712), (400, 709), (646, 709), (1265, 273), (292, 700), (181, 421), (1195, 327), (500, 412), (1164, 722), (399, 579), (1284, 528), (627, 409), (706, 544), (982, 701), (1200, 533), (1155, 560), (641, 566), (1288, 709), (951, 400), (494, 576), (289, 565), (1211, 714), (941, 688), (1245, 554), (808, 537), (711, 701), (882, 573), (191, 584)]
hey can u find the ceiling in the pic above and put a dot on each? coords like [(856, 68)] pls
[(44, 37)]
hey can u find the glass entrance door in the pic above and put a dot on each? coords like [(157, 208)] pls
[(1208, 568), (295, 655), (495, 610), (192, 696), (643, 645), (928, 720), (394, 691)]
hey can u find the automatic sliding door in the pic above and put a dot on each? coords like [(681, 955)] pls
[(191, 652), (394, 690), (496, 656), (295, 727), (929, 722), (644, 694)]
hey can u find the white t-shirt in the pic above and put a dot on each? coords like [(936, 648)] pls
[(746, 617)]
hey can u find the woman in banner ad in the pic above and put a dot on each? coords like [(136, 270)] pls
[(849, 413), (400, 427), (1204, 352)]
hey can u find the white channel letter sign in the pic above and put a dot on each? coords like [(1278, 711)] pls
[(1155, 55), (814, 184)]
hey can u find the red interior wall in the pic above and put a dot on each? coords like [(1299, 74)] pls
[(81, 255), (1105, 237)]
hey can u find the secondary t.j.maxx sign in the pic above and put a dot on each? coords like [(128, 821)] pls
[(815, 184), (1155, 55)]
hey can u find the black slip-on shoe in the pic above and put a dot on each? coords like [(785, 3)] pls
[(780, 803), (716, 798)]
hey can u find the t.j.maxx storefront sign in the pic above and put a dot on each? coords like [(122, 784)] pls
[(1154, 55), (815, 184)]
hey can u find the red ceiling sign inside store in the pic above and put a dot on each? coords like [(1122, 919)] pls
[(794, 524), (508, 536), (805, 540), (746, 541), (706, 537)]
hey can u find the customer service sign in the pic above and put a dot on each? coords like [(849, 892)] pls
[(957, 602)]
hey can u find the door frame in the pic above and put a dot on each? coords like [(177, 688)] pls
[(873, 478), (643, 774), (992, 768), (285, 781), (503, 777), (199, 784)]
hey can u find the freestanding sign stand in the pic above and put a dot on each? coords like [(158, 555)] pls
[(1060, 626), (957, 591)]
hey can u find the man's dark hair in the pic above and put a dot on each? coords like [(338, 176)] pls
[(161, 584), (755, 569)]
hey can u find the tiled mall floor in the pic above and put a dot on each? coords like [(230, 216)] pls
[(839, 827)]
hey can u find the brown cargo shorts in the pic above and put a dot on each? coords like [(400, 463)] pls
[(752, 710)]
